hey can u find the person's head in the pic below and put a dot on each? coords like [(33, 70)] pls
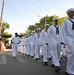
[(16, 34), (70, 12), (55, 21), (38, 30), (46, 26)]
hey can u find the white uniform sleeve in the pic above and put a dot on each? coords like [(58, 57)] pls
[(63, 31), (50, 32), (42, 38)]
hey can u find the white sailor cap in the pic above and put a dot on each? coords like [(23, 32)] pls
[(55, 19), (71, 9), (38, 29), (46, 24)]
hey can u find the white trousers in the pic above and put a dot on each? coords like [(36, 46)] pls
[(32, 49), (37, 51), (46, 53), (70, 62), (28, 50), (15, 48), (56, 48), (25, 49)]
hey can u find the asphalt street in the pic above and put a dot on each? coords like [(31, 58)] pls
[(24, 65)]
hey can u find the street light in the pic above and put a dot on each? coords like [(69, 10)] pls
[(44, 18)]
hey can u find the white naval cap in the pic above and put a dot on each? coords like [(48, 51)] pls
[(38, 29), (46, 24), (55, 19), (71, 9)]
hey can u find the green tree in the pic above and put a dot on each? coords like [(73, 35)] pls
[(62, 19), (6, 36), (4, 26), (46, 19)]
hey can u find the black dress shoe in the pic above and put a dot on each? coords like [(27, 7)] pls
[(57, 69), (14, 56), (25, 54), (49, 58), (60, 61), (42, 56), (28, 55), (65, 57), (36, 59), (67, 73), (53, 65), (61, 58), (45, 63), (32, 56)]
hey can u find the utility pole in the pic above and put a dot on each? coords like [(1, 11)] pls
[(2, 11)]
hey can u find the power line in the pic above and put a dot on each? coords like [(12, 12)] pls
[(58, 4), (42, 7), (44, 3), (24, 8)]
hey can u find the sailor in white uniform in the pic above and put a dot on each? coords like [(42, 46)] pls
[(68, 39), (37, 44), (25, 45), (54, 37), (32, 43), (28, 45), (22, 44), (45, 44), (15, 41)]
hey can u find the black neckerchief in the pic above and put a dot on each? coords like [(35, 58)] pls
[(57, 29), (38, 35), (46, 30), (72, 24)]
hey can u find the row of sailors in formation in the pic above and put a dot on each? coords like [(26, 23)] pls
[(52, 41)]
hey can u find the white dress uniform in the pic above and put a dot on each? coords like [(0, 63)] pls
[(28, 46), (32, 43), (55, 44), (25, 45), (15, 41), (45, 44), (68, 39), (37, 45), (19, 48), (22, 45)]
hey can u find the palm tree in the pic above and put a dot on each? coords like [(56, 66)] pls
[(4, 26)]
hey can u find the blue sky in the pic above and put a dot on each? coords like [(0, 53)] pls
[(22, 13)]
